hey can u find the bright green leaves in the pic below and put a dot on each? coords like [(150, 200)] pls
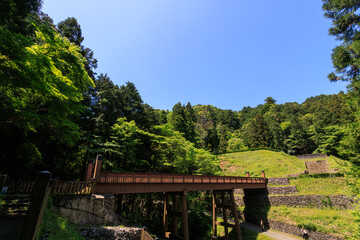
[(180, 155), (168, 151), (125, 142), (42, 81)]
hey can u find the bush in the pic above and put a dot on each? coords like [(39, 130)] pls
[(58, 227)]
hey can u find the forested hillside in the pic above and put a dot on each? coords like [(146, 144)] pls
[(57, 112)]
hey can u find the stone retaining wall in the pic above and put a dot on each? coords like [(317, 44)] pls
[(239, 192), (315, 167), (282, 190), (112, 233), (319, 201), (278, 181), (335, 201), (294, 230), (94, 209)]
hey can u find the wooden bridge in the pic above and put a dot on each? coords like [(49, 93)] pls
[(222, 187), (175, 188)]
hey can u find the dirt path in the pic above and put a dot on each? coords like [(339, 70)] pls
[(272, 234)]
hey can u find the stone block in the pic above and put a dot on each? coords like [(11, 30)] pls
[(88, 210), (278, 181), (282, 190)]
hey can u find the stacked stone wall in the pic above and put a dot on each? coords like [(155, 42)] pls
[(315, 167), (239, 192), (278, 181), (94, 209), (282, 190), (112, 233)]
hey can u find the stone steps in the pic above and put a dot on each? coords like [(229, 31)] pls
[(15, 205)]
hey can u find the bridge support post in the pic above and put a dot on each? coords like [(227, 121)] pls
[(174, 213), (166, 216), (226, 206), (214, 215), (235, 214), (185, 216), (226, 228)]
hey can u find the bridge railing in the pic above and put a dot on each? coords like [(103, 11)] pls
[(111, 177), (57, 187)]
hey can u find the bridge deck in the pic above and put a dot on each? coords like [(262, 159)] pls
[(125, 183)]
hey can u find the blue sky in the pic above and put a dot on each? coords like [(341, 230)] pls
[(227, 53)]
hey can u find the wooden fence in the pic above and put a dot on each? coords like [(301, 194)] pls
[(58, 187), (72, 187), (18, 186)]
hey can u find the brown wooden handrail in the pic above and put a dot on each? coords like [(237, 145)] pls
[(112, 177)]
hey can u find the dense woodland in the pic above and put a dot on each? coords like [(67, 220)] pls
[(57, 113)]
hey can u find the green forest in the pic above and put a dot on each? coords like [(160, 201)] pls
[(57, 113)]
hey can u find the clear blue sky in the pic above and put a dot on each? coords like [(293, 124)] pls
[(227, 53)]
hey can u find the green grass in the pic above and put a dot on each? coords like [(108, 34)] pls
[(59, 227), (275, 164), (323, 220), (321, 186)]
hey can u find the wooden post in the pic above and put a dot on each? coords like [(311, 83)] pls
[(263, 174), (97, 170), (166, 216), (224, 215), (39, 197), (89, 171), (214, 214), (175, 220), (185, 216), (235, 214)]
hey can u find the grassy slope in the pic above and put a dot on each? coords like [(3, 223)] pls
[(278, 164), (331, 221), (275, 164), (321, 186)]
